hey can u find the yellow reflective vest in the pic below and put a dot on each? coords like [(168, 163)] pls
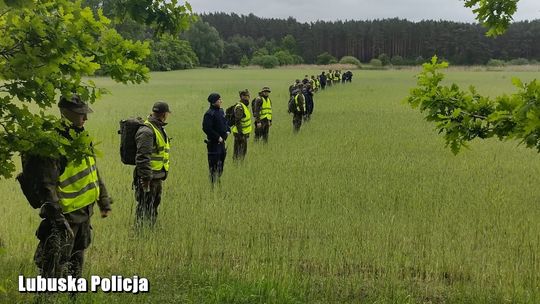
[(299, 108), (266, 108), (245, 123), (78, 186), (159, 159)]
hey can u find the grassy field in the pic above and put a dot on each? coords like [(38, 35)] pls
[(364, 205)]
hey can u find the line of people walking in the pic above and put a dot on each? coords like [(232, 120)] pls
[(65, 188), (237, 119)]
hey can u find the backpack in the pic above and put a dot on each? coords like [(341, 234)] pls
[(229, 115), (292, 105), (128, 146), (29, 180)]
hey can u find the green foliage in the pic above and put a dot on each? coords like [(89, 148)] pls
[(266, 61), (376, 63), (162, 16), (385, 59), (244, 61), (289, 43), (284, 57), (496, 15), (46, 48), (465, 115), (260, 52), (206, 43), (349, 60), (232, 53), (496, 63), (419, 60), (170, 53), (297, 59), (398, 60), (325, 58), (271, 46), (247, 44), (519, 61)]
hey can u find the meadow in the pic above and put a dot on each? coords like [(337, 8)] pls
[(364, 205)]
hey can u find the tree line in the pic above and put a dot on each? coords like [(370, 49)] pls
[(460, 43), (218, 39)]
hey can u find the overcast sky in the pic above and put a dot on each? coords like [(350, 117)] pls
[(329, 10)]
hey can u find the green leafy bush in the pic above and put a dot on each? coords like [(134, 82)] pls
[(244, 61), (284, 57), (519, 61), (170, 53), (385, 59), (376, 63), (398, 60), (266, 61), (349, 60), (325, 58), (496, 63)]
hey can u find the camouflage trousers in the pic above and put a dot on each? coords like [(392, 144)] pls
[(262, 132), (240, 146), (58, 253), (297, 122), (148, 202)]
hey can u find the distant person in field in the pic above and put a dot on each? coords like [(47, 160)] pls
[(315, 83), (151, 164), (217, 131), (297, 108), (296, 84), (323, 79), (307, 91), (68, 190), (262, 113), (349, 76), (330, 78), (242, 128)]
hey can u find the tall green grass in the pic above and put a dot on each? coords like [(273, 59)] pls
[(364, 205)]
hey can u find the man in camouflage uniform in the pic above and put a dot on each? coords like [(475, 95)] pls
[(262, 113), (151, 164), (307, 91), (242, 128), (68, 191), (298, 108)]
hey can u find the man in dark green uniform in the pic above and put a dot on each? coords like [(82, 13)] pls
[(151, 163), (262, 113), (68, 190), (298, 108), (242, 128)]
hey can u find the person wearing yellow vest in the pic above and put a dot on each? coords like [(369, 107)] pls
[(262, 113), (68, 190), (298, 108), (151, 164), (242, 127)]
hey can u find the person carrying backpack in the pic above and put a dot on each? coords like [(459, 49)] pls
[(217, 130), (242, 126), (67, 190), (297, 108), (151, 163), (262, 112)]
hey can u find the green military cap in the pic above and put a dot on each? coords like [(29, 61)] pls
[(74, 104), (266, 89), (244, 92)]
